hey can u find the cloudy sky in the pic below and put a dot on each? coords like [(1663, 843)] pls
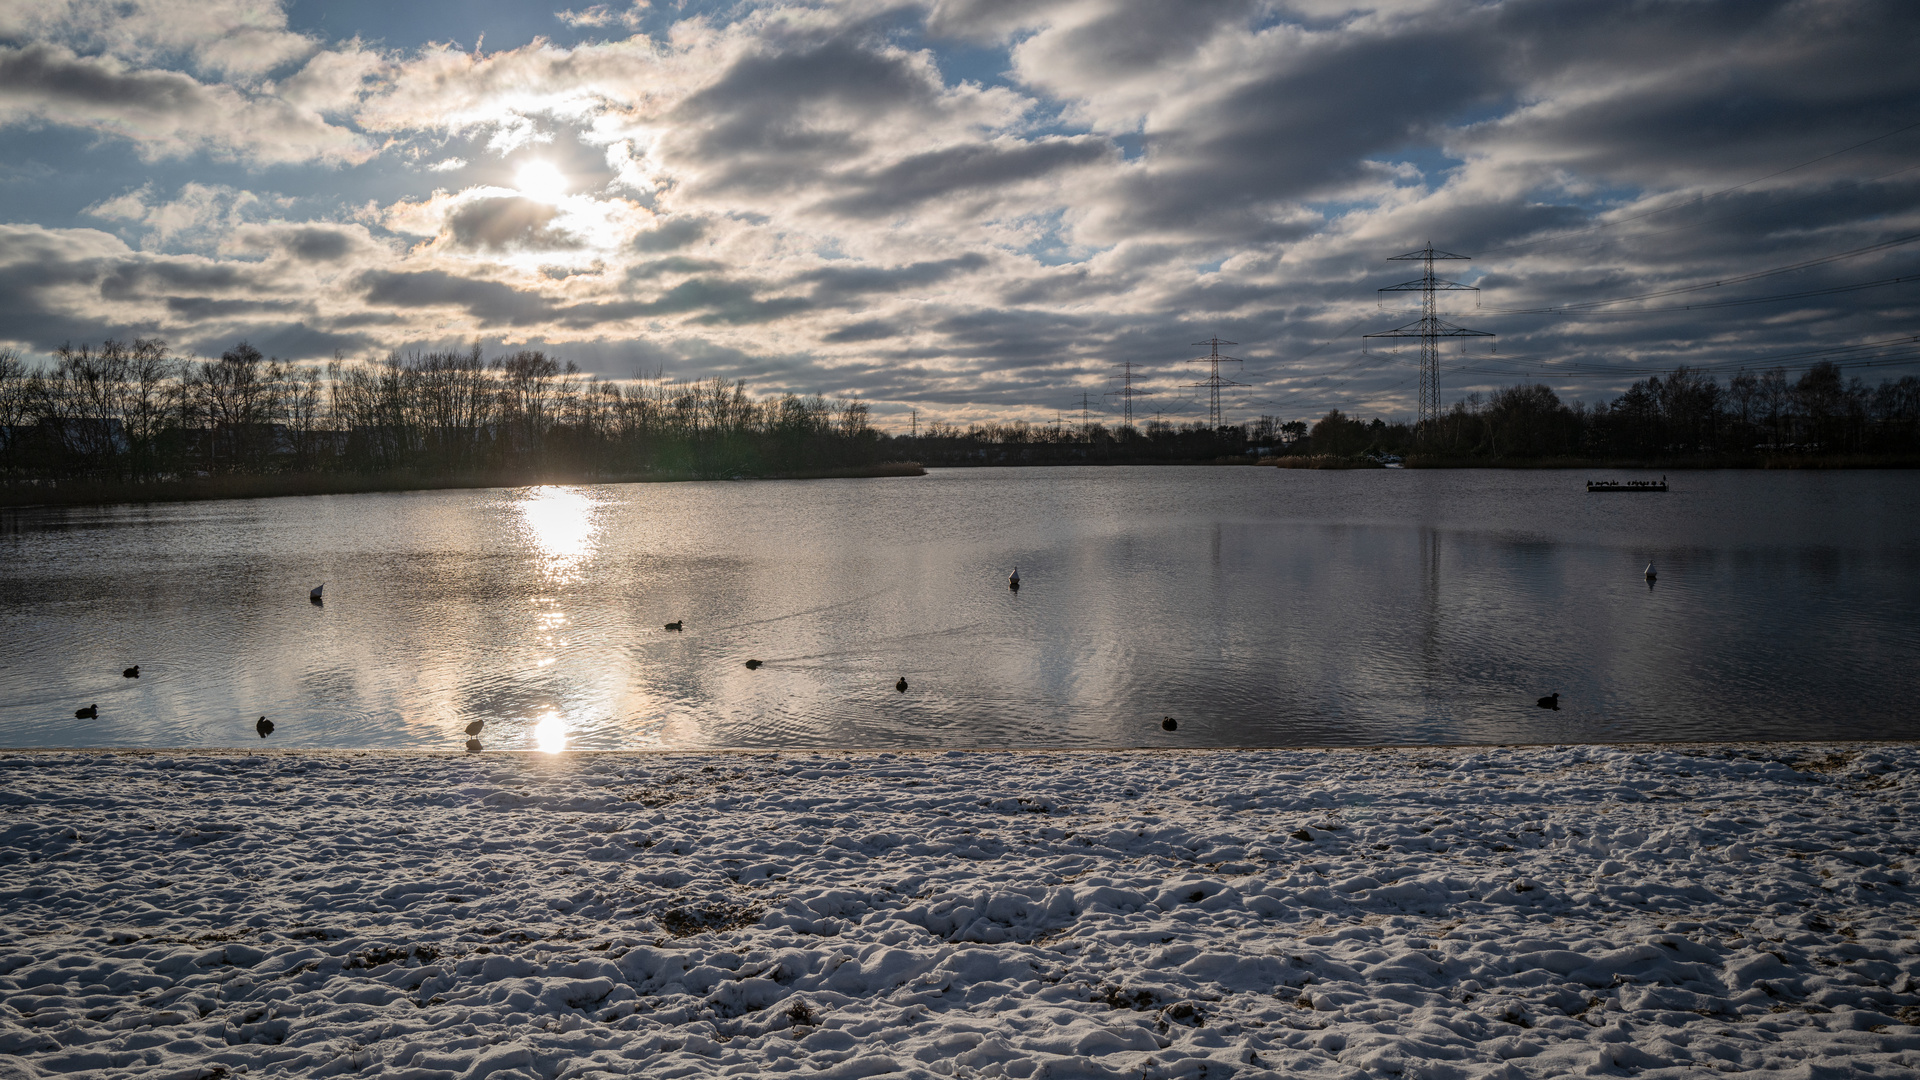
[(975, 208)]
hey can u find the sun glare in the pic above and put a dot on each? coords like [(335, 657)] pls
[(541, 182), (550, 734)]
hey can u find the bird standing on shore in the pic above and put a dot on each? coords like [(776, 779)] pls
[(264, 726), (132, 672), (1551, 701), (91, 712), (474, 728)]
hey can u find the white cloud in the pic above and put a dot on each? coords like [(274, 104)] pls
[(604, 15), (231, 37), (164, 113)]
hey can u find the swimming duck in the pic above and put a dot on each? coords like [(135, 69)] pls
[(753, 665), (901, 685), (132, 672), (1013, 580), (89, 713), (264, 726), (313, 594), (1551, 701), (675, 624), (1169, 724)]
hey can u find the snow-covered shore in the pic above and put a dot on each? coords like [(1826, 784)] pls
[(1531, 912)]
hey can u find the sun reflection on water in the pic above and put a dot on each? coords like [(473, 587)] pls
[(562, 524), (550, 734)]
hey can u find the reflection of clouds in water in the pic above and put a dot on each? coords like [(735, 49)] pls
[(561, 523)]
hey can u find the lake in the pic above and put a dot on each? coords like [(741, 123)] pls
[(1257, 606)]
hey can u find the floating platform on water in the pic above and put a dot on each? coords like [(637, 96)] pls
[(1627, 485)]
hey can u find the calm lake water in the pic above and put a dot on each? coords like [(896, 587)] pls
[(1258, 606)]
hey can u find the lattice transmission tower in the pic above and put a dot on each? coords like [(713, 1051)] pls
[(1213, 382), (1429, 329), (1127, 393)]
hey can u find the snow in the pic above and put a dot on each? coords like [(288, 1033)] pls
[(1643, 911)]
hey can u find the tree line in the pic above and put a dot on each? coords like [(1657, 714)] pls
[(134, 413), (1685, 415)]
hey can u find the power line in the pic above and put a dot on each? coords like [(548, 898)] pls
[(1429, 328), (1127, 393), (1213, 382)]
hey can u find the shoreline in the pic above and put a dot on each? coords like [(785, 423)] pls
[(25, 496), (279, 487), (244, 750), (1484, 912)]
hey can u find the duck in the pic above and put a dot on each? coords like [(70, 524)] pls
[(474, 728), (91, 712), (1169, 724), (1013, 580), (264, 726), (1551, 701), (313, 594), (132, 672), (675, 624), (901, 685), (1651, 572), (753, 665)]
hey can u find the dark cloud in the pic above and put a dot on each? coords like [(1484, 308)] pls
[(673, 265), (670, 235), (133, 279), (869, 330), (313, 244), (504, 222), (776, 117), (487, 301), (839, 285), (923, 177)]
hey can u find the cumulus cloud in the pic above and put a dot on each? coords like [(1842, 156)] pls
[(163, 113), (229, 37), (834, 185)]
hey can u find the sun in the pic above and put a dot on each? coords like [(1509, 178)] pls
[(541, 182)]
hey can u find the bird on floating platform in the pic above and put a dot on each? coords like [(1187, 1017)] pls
[(313, 594), (132, 672), (675, 624), (474, 728), (1551, 701), (264, 726), (753, 665), (901, 685), (1013, 580), (1169, 724), (91, 712)]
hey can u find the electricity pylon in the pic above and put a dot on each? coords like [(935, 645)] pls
[(1213, 382), (1127, 393), (1429, 329)]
